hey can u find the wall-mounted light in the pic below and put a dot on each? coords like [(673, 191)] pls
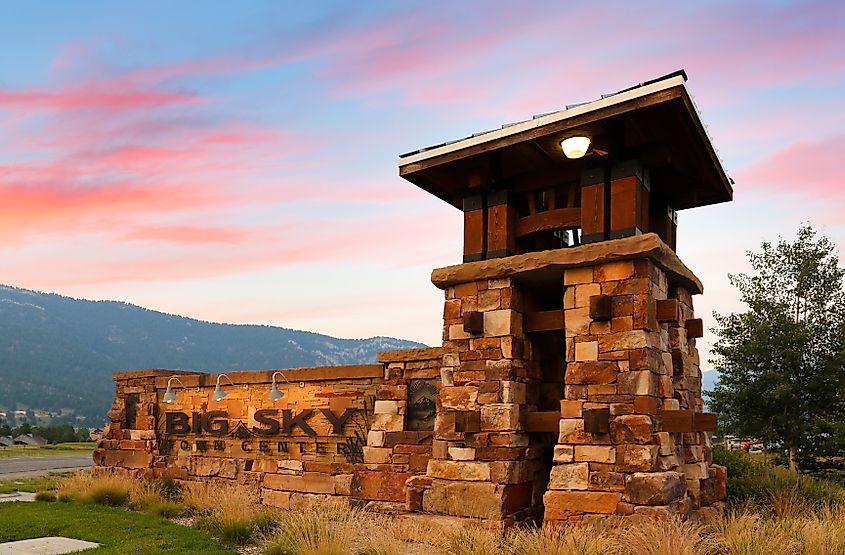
[(276, 393), (169, 394), (575, 147), (218, 390)]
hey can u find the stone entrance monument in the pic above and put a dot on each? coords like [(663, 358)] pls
[(567, 387)]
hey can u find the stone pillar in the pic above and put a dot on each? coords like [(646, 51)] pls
[(480, 466), (624, 369)]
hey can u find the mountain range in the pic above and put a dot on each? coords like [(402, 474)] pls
[(57, 353)]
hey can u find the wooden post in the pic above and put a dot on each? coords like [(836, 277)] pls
[(663, 220), (593, 206), (475, 228), (501, 225), (629, 191)]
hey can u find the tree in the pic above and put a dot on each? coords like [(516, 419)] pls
[(781, 363)]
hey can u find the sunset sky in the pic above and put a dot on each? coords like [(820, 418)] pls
[(237, 161)]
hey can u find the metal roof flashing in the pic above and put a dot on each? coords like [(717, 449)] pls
[(675, 80)]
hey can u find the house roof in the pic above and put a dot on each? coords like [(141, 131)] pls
[(655, 121)]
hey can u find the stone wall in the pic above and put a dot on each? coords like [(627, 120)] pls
[(318, 449), (567, 388)]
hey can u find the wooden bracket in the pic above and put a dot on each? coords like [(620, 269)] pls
[(600, 308), (474, 322), (467, 422), (545, 421), (596, 421), (668, 310), (677, 421), (705, 421), (545, 320), (695, 328)]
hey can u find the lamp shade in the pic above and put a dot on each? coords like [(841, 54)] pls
[(275, 393), (218, 393), (575, 147), (169, 395)]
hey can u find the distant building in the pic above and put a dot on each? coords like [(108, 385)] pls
[(96, 434), (30, 439), (6, 441)]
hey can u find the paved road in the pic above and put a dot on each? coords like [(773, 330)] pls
[(18, 467)]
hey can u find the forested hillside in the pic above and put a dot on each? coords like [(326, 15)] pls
[(58, 353)]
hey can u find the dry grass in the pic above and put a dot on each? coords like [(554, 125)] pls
[(228, 510), (103, 490), (560, 540)]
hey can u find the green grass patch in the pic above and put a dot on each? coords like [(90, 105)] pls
[(60, 449), (32, 485), (118, 531)]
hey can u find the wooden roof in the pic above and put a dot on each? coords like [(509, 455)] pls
[(655, 122)]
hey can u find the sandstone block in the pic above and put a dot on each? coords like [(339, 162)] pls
[(624, 341), (572, 431), (570, 408), (560, 505), (212, 466), (607, 481), (654, 488), (386, 407), (462, 453), (377, 455), (614, 271), (274, 498), (695, 471), (459, 470), (584, 292), (577, 321), (375, 438), (461, 398), (389, 422), (289, 465), (498, 322), (500, 416), (636, 458), (639, 382), (595, 453), (595, 372), (573, 476), (586, 351), (665, 442), (631, 428), (513, 392), (465, 499), (564, 454), (573, 276), (378, 485)]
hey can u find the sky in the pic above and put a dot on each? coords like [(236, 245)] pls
[(237, 161)]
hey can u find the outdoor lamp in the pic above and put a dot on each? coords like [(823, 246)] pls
[(169, 394), (575, 147), (275, 392), (218, 390)]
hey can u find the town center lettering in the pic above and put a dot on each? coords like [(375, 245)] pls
[(275, 432)]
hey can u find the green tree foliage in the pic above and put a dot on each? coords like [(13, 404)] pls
[(781, 362)]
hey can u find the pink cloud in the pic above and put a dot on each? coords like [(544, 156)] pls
[(185, 234)]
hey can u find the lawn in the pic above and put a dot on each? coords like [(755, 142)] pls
[(118, 531), (60, 449), (33, 485)]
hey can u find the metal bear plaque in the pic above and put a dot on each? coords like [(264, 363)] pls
[(422, 405)]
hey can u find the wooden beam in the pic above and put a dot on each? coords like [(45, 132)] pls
[(546, 320), (501, 225), (546, 421), (593, 206), (561, 218), (474, 322), (475, 228), (600, 308), (668, 310), (596, 421), (705, 421), (628, 200), (695, 328), (677, 421)]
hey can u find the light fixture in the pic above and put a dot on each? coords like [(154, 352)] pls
[(275, 392), (218, 390), (575, 147), (169, 394)]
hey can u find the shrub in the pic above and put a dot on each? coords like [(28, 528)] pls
[(325, 529), (474, 540), (164, 509), (46, 496), (227, 510)]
